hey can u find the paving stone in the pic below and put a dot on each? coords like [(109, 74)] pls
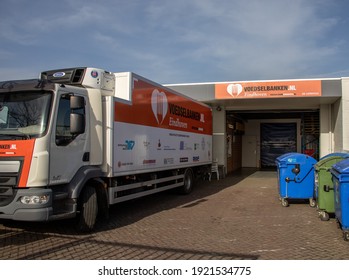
[(238, 217)]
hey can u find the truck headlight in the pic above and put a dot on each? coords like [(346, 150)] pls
[(34, 199)]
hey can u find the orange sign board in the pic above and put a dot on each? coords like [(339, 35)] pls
[(274, 89)]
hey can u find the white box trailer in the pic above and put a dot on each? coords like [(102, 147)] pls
[(155, 129), (78, 140)]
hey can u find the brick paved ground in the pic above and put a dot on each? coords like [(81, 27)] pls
[(239, 217)]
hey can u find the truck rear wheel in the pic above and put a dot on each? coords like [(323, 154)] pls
[(188, 181), (88, 209)]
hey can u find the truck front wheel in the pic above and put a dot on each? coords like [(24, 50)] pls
[(88, 209)]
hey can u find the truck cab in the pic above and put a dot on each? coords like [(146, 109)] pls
[(47, 144)]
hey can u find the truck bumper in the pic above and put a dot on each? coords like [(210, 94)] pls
[(16, 210)]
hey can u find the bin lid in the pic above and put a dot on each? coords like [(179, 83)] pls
[(342, 167), (295, 158), (328, 161), (284, 157), (343, 155)]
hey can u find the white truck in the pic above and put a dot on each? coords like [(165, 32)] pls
[(78, 140)]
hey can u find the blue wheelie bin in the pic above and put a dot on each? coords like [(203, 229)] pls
[(340, 178), (296, 177)]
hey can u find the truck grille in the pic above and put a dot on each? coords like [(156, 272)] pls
[(9, 172)]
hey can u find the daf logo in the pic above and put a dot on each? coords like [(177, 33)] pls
[(58, 74)]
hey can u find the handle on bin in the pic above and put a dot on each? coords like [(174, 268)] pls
[(328, 188), (287, 179), (296, 169)]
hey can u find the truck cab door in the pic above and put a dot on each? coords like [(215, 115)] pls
[(69, 149)]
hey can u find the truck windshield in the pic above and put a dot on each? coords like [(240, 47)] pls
[(24, 115)]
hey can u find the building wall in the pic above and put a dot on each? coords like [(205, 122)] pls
[(219, 137), (331, 119), (326, 132), (345, 113), (337, 123)]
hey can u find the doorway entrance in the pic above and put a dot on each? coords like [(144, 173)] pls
[(266, 135)]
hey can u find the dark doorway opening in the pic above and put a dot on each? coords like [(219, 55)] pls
[(276, 140)]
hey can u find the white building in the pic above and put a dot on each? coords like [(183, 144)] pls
[(256, 121)]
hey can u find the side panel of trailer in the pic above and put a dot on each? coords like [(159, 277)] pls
[(159, 129)]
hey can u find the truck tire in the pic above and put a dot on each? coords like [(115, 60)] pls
[(188, 182), (88, 209)]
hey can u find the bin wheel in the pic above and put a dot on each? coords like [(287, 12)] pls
[(312, 202), (284, 202), (324, 216), (346, 235)]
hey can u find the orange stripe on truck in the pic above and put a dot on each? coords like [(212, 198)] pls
[(157, 107), (22, 149)]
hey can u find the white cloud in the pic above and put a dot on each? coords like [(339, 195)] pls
[(195, 40)]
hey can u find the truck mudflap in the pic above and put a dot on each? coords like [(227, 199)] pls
[(34, 204)]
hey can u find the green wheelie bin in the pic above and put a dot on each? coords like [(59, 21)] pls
[(324, 191)]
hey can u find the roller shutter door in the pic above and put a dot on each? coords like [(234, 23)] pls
[(276, 140)]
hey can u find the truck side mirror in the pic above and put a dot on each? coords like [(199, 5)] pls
[(77, 102), (77, 124)]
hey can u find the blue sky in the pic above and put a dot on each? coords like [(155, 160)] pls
[(177, 41)]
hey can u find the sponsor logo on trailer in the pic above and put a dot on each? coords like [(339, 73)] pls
[(149, 161), (168, 161), (159, 105), (203, 144), (184, 159), (146, 144), (169, 148), (128, 146), (159, 145), (122, 164), (184, 147)]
